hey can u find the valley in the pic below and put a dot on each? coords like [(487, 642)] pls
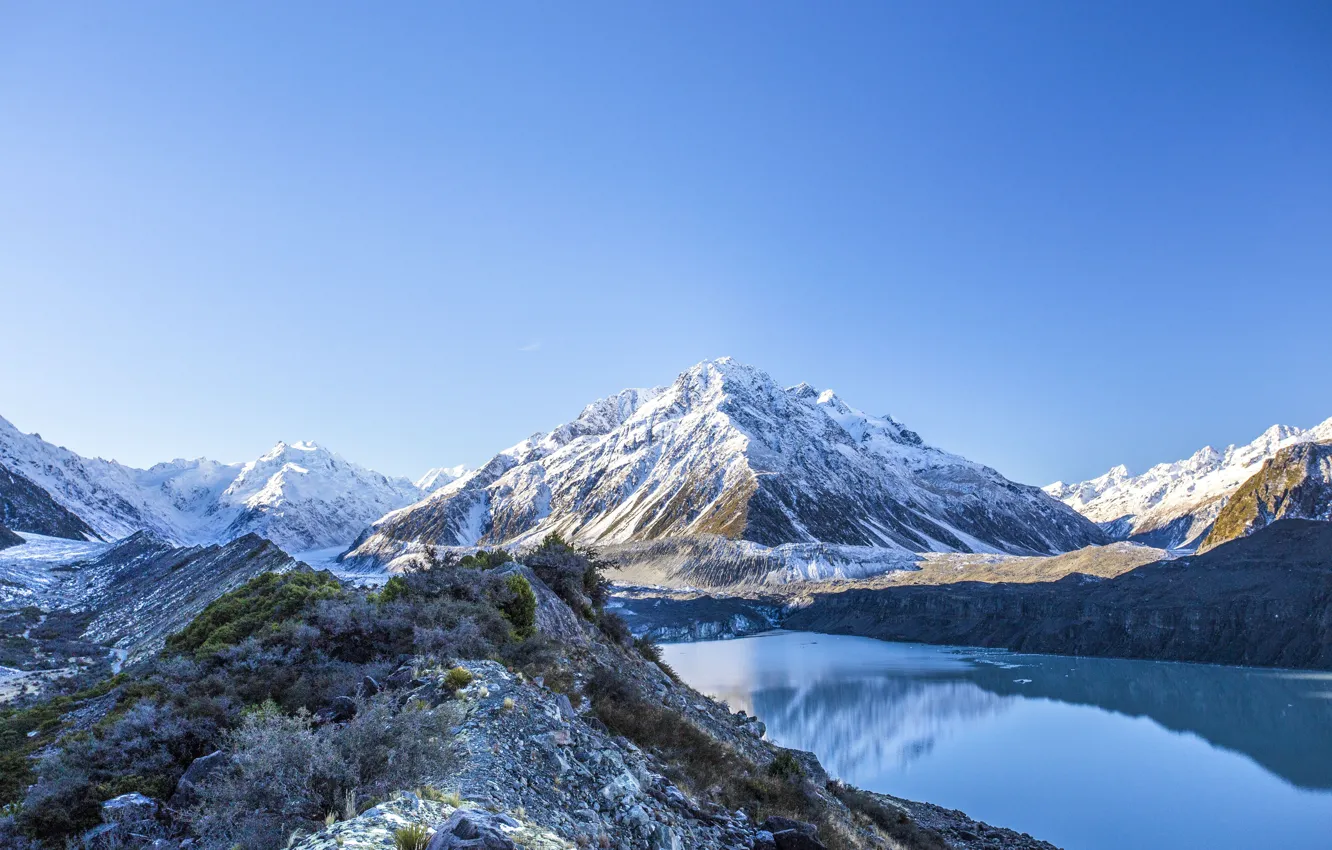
[(720, 507)]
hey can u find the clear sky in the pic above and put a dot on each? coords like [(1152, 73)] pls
[(1051, 236)]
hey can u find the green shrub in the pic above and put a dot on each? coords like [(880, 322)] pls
[(613, 626), (483, 560), (576, 576), (393, 589), (520, 608), (411, 837), (260, 605), (786, 766), (458, 678)]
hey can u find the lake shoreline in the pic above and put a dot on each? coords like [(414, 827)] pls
[(1056, 746)]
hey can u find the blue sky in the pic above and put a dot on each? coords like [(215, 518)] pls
[(1049, 236)]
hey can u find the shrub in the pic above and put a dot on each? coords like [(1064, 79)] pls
[(786, 767), (411, 837), (520, 608), (575, 575), (697, 760), (284, 772), (448, 798), (614, 627), (892, 821), (483, 560), (259, 605), (457, 679), (394, 588)]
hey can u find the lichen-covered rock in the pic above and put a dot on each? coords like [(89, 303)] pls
[(128, 808), (452, 827)]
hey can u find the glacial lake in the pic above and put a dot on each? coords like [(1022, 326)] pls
[(1087, 753)]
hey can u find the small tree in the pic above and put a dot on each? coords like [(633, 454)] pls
[(520, 608)]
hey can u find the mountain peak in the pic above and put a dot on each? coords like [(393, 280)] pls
[(1174, 504), (724, 450)]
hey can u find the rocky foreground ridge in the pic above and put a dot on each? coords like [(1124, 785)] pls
[(482, 704)]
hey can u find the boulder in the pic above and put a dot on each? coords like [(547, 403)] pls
[(622, 787), (342, 709), (776, 824), (400, 678), (191, 782), (474, 829), (369, 687), (128, 808), (794, 839), (763, 840)]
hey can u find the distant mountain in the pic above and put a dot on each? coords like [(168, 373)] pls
[(1173, 505), (26, 507), (441, 476), (300, 495), (1296, 483), (725, 451)]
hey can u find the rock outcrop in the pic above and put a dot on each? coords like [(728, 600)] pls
[(1261, 600), (1296, 483)]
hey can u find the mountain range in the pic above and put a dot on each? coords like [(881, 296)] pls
[(724, 451), (721, 476), (299, 495), (1173, 505)]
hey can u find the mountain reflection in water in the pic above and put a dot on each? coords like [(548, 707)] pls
[(1042, 743)]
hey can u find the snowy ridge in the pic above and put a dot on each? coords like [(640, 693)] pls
[(441, 476), (1173, 505), (299, 495), (726, 451)]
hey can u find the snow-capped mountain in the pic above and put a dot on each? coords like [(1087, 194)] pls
[(300, 496), (1173, 505), (726, 451), (440, 476), (1296, 483)]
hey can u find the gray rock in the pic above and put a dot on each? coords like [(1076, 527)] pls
[(369, 687), (624, 786), (343, 709), (188, 788), (565, 707), (776, 824), (128, 808), (474, 829), (664, 838), (763, 840), (794, 839)]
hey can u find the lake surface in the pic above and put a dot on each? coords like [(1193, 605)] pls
[(1087, 753)]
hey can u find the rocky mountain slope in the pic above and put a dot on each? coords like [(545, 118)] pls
[(1173, 505), (9, 538), (724, 451), (26, 507), (1260, 600), (1296, 483), (129, 595), (299, 495)]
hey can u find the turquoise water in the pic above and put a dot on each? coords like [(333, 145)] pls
[(1087, 753)]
